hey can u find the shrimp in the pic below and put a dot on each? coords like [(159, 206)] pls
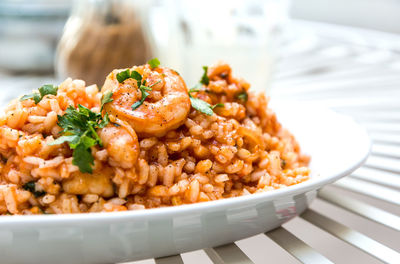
[(84, 183), (166, 107), (121, 144)]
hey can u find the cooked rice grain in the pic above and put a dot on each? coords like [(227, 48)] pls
[(239, 150)]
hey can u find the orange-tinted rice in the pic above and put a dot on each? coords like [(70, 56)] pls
[(241, 149)]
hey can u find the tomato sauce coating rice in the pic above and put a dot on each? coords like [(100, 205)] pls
[(161, 145)]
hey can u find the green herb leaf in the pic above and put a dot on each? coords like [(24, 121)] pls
[(48, 89), (26, 97), (31, 187), (243, 96), (154, 84), (204, 79), (43, 91), (154, 63), (217, 105), (195, 89), (106, 98), (122, 76), (127, 74), (35, 96), (63, 139), (82, 157), (104, 122), (79, 129), (143, 89), (176, 72), (135, 75), (137, 104), (201, 106), (283, 164)]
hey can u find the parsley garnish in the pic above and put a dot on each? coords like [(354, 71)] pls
[(122, 76), (35, 96), (283, 164), (143, 89), (43, 91), (79, 130), (106, 98), (195, 89), (154, 63), (31, 186), (204, 79), (200, 105), (217, 105), (243, 96), (48, 89)]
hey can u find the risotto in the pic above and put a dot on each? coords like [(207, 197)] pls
[(143, 141)]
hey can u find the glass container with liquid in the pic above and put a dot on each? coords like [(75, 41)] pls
[(243, 33)]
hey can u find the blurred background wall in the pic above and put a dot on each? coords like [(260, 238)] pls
[(29, 33), (30, 30)]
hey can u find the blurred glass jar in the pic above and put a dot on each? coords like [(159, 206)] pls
[(29, 31), (243, 33), (102, 35)]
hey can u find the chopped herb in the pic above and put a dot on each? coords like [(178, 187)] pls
[(204, 79), (135, 75), (154, 63), (176, 72), (122, 76), (63, 139), (195, 89), (35, 96), (200, 105), (31, 186), (79, 130), (43, 91), (82, 156), (283, 164), (143, 89), (127, 74), (48, 89), (106, 98), (243, 96), (217, 105)]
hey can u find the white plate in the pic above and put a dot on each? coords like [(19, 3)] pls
[(337, 146)]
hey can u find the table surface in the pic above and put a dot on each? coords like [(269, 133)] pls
[(356, 219)]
